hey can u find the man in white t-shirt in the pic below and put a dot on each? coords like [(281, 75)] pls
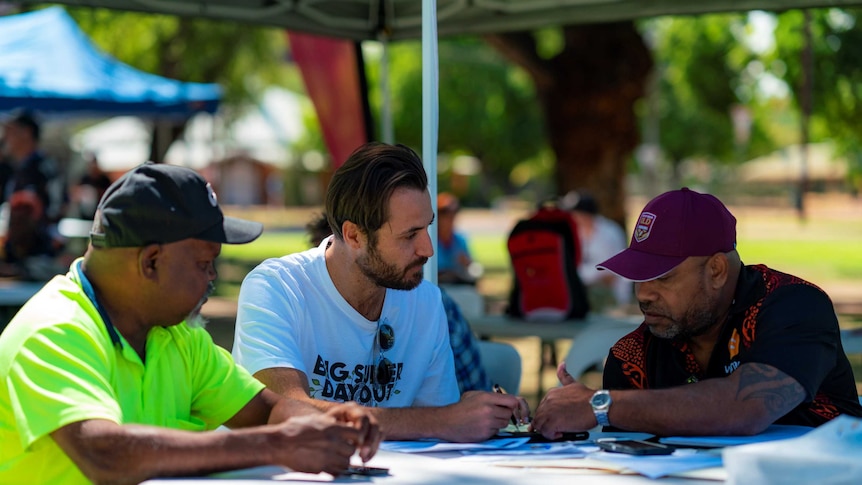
[(353, 320)]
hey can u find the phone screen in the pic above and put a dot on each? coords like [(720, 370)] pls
[(634, 447)]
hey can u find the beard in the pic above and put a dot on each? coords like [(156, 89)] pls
[(388, 275), (197, 321), (696, 321), (194, 319)]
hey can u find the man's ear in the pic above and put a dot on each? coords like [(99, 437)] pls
[(353, 235), (147, 260), (718, 267)]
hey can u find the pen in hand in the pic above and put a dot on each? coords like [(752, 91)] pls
[(499, 390)]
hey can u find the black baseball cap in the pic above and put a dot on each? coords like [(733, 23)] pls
[(157, 204)]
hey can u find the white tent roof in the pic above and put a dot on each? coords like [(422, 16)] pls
[(402, 19), (264, 132)]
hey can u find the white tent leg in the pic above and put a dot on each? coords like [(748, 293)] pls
[(388, 135), (430, 118)]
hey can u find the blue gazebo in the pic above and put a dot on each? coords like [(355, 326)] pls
[(49, 65)]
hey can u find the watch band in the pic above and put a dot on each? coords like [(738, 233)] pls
[(601, 404), (602, 417)]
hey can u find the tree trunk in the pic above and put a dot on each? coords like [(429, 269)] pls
[(588, 92), (168, 130), (164, 133)]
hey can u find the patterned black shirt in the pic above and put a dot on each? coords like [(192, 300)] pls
[(776, 319)]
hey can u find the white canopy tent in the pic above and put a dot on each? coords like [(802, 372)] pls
[(403, 19), (264, 132)]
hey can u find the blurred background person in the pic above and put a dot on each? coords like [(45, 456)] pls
[(317, 229), (454, 263), (33, 197), (600, 239), (90, 188)]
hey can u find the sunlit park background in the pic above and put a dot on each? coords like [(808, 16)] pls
[(823, 248), (762, 109)]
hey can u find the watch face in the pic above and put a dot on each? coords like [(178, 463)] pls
[(600, 400)]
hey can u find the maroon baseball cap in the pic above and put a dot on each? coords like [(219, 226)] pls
[(672, 227)]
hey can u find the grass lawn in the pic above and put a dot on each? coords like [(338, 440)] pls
[(268, 245)]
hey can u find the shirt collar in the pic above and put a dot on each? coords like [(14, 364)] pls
[(749, 289), (91, 294)]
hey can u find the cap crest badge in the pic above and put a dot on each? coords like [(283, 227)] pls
[(212, 195), (644, 226)]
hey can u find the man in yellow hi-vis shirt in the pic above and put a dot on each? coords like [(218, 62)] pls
[(104, 373)]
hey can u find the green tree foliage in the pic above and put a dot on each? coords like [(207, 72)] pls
[(487, 106), (837, 66), (703, 64), (243, 59)]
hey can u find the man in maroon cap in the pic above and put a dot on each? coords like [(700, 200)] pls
[(724, 348)]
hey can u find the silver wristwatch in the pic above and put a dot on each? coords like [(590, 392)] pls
[(601, 403)]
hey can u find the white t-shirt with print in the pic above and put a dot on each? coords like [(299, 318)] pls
[(291, 315)]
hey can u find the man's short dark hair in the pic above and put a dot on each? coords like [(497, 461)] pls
[(361, 188)]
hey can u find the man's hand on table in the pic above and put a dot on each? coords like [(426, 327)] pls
[(566, 408), (479, 415), (364, 422), (325, 442)]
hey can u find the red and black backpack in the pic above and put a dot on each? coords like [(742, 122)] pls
[(545, 252)]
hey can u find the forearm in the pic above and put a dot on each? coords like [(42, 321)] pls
[(110, 453), (397, 423), (415, 423), (293, 386), (476, 417), (680, 411), (289, 407), (744, 403)]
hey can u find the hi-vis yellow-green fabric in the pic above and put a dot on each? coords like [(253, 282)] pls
[(59, 366)]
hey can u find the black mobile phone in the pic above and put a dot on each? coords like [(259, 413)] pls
[(367, 471), (634, 447)]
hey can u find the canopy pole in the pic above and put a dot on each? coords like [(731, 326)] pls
[(213, 139), (430, 118), (386, 130)]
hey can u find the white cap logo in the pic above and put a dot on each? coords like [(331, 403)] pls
[(212, 195), (644, 226)]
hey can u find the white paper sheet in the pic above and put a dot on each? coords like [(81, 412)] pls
[(657, 466), (828, 455)]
